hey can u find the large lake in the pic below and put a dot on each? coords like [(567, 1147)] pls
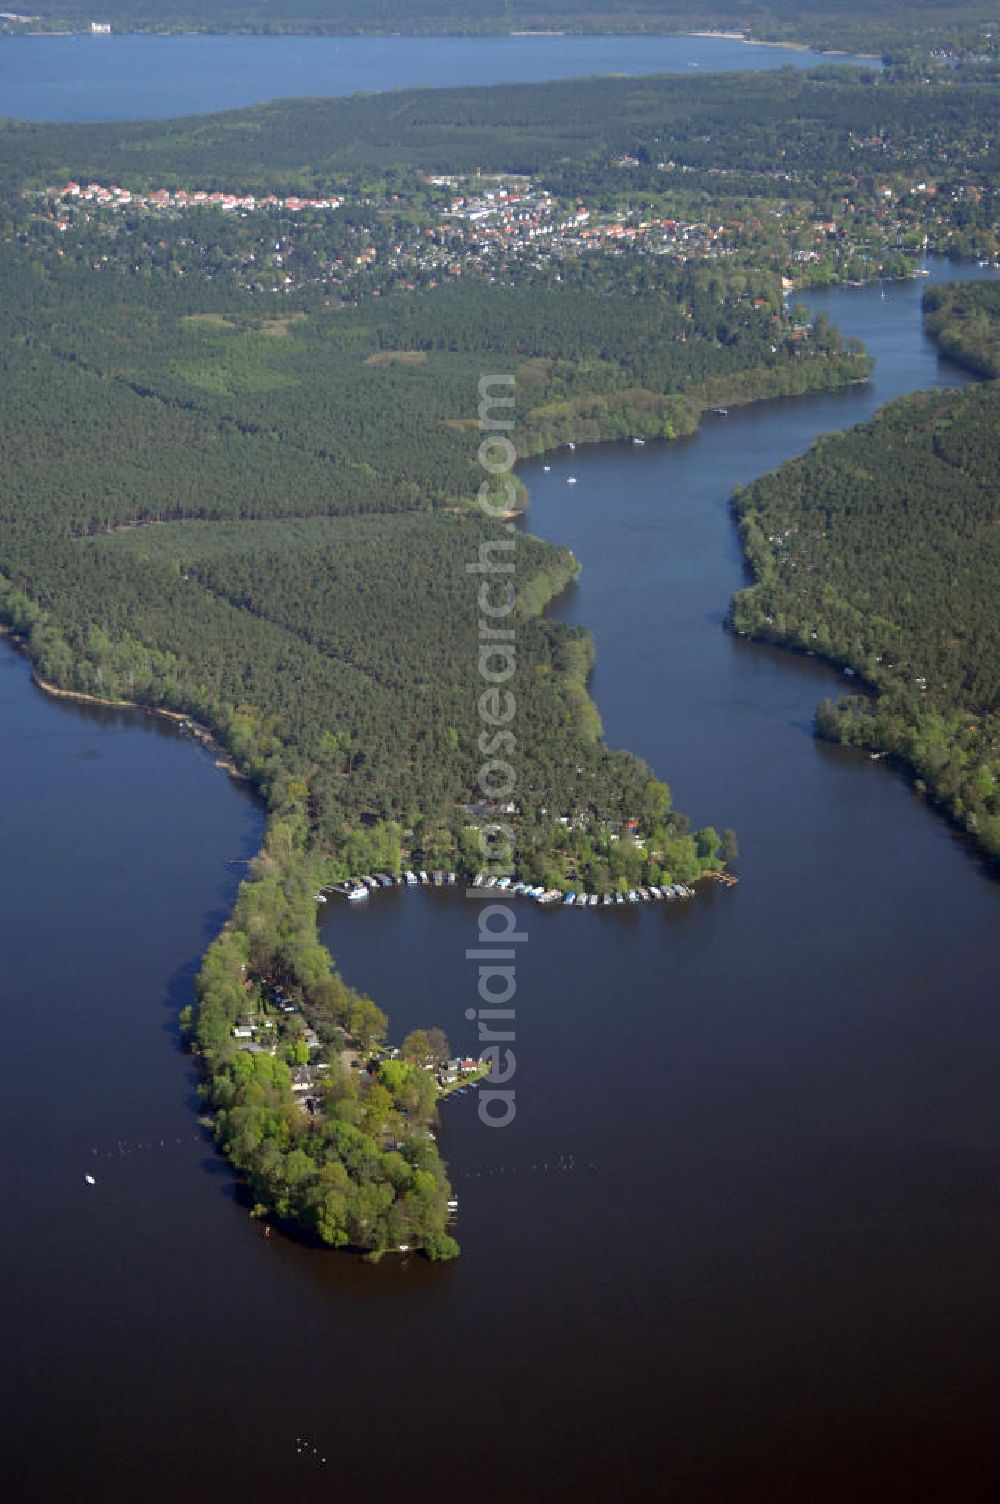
[(128, 77), (741, 1241)]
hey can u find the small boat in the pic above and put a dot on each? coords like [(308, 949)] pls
[(721, 412), (571, 480), (638, 443), (353, 894), (319, 898), (546, 468), (569, 899), (90, 1180)]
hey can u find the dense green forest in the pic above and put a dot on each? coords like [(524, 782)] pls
[(964, 318), (122, 410), (879, 551), (831, 124), (823, 23)]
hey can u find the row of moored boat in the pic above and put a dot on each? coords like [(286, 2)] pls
[(653, 894), (358, 888)]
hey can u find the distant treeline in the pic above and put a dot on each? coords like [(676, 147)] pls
[(842, 23)]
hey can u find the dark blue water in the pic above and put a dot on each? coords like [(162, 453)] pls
[(132, 77), (740, 1242)]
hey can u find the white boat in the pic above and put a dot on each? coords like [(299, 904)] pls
[(90, 1180), (355, 893), (546, 468), (571, 480)]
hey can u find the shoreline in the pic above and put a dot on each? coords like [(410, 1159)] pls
[(739, 36), (466, 35), (201, 734)]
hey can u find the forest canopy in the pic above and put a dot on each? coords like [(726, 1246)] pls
[(880, 551)]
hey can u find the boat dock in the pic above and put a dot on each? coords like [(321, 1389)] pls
[(359, 888)]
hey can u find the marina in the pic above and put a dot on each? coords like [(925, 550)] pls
[(357, 889)]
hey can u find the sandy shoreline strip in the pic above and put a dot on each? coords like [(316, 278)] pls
[(199, 733), (739, 36)]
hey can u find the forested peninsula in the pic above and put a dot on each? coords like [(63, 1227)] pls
[(878, 550), (964, 319), (239, 388)]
